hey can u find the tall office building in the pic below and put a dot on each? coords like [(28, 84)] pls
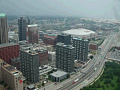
[(63, 38), (32, 33), (3, 28), (65, 57), (81, 48), (29, 65), (11, 76), (22, 26)]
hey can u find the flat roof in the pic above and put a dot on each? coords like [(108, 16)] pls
[(7, 44), (79, 31), (63, 45), (80, 39), (30, 86), (2, 15), (58, 74), (34, 25)]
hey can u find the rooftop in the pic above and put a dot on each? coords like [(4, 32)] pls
[(80, 39), (8, 44), (79, 31), (16, 59), (2, 15), (41, 50), (10, 68), (31, 86), (58, 73), (63, 45), (34, 25), (48, 36)]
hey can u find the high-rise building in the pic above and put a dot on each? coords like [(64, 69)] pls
[(81, 48), (65, 57), (32, 33), (9, 51), (11, 76), (3, 28), (22, 26), (66, 39), (29, 65)]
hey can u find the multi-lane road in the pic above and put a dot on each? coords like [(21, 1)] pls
[(89, 73)]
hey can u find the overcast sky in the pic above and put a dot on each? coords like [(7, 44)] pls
[(85, 8)]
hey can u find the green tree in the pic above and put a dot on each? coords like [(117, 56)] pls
[(112, 84), (5, 85), (39, 86), (1, 82), (43, 84), (68, 75), (103, 87)]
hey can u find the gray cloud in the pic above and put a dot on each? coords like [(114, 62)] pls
[(87, 8)]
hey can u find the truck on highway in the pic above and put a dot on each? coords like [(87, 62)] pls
[(75, 81)]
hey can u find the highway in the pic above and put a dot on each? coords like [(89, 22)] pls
[(87, 74), (89, 70)]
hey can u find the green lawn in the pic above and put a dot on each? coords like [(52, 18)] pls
[(110, 79)]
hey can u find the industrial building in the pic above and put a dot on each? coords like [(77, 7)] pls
[(3, 28), (81, 49), (65, 57)]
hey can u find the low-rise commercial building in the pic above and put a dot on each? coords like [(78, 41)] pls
[(93, 48), (45, 69), (58, 76)]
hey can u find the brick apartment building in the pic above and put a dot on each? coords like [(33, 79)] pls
[(9, 51), (50, 40), (43, 56)]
